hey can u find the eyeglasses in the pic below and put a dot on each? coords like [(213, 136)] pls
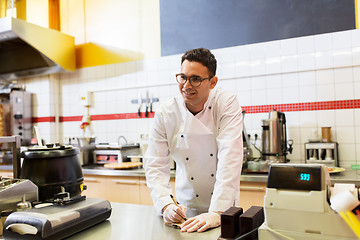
[(195, 81)]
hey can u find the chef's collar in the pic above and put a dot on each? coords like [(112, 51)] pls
[(207, 104), (209, 101)]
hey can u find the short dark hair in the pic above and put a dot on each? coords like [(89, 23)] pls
[(203, 56)]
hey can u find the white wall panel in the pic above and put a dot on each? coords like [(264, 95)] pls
[(311, 69)]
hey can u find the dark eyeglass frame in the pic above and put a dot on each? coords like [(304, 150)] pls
[(191, 79)]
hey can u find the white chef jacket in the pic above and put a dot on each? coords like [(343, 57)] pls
[(207, 149)]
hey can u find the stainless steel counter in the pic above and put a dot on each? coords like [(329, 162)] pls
[(130, 221), (97, 170), (348, 176)]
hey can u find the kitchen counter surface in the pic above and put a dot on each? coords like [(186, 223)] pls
[(140, 172), (130, 221), (99, 170), (348, 176)]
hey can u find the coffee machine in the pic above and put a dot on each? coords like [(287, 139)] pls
[(274, 140)]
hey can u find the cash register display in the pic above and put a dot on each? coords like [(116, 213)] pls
[(295, 177)]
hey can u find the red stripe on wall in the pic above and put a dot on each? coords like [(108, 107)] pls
[(43, 119), (120, 116), (115, 116), (310, 106), (70, 119), (290, 107)]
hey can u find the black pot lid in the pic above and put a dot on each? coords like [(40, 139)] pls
[(50, 151)]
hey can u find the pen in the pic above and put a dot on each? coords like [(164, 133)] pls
[(173, 225), (176, 203)]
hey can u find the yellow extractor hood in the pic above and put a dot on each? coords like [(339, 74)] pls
[(28, 50)]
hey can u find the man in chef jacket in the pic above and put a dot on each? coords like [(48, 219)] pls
[(202, 131)]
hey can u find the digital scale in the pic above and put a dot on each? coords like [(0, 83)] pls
[(296, 205)]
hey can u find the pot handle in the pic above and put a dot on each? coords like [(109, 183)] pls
[(37, 135)]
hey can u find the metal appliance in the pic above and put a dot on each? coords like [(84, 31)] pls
[(61, 214), (274, 138), (56, 221), (108, 153), (86, 146), (15, 113), (54, 169), (246, 144), (14, 191), (297, 206), (28, 50), (322, 152)]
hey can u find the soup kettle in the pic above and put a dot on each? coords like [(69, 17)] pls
[(53, 168)]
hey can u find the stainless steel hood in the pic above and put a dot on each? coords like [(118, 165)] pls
[(28, 50)]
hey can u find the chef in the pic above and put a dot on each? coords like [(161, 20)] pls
[(202, 131)]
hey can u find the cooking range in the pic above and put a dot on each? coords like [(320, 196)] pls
[(44, 199)]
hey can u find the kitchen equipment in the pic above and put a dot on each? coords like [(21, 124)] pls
[(86, 146), (110, 153), (56, 221), (14, 142), (246, 143), (107, 153), (58, 177), (274, 139), (37, 136), (326, 134), (36, 45), (297, 207), (16, 114), (322, 152), (5, 157), (13, 190), (52, 167)]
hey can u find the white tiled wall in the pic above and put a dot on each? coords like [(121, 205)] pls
[(323, 67)]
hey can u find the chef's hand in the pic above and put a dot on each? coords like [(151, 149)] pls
[(201, 222), (174, 214)]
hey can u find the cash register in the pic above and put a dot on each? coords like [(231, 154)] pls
[(297, 206)]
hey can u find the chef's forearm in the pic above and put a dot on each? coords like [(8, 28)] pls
[(157, 179), (226, 191)]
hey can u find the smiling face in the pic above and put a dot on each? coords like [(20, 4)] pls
[(195, 97)]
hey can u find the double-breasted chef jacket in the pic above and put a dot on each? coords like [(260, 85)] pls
[(207, 149)]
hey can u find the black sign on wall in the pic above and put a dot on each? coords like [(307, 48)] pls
[(187, 24)]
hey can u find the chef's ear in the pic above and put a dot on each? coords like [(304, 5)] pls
[(213, 82)]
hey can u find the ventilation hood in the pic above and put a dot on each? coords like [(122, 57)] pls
[(28, 50)]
